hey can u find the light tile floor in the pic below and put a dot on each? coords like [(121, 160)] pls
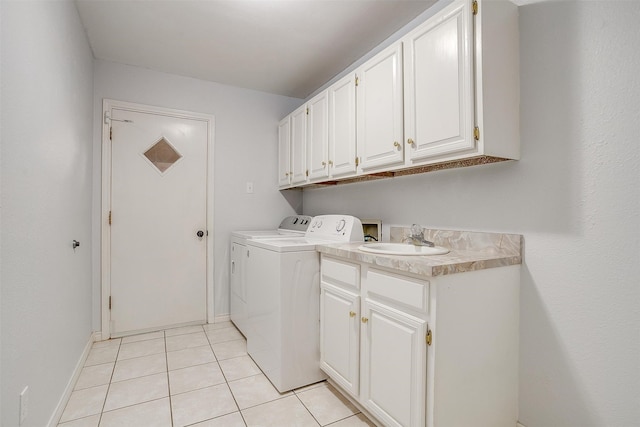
[(193, 376)]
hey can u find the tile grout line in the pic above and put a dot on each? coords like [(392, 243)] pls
[(166, 360), (244, 420), (305, 407), (109, 385), (225, 379)]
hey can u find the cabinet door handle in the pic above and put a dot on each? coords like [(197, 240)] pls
[(396, 144), (324, 164), (410, 141), (365, 320), (352, 314)]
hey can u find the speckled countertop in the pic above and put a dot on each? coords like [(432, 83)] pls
[(469, 251)]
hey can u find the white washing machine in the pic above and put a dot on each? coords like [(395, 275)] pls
[(283, 300), (290, 226)]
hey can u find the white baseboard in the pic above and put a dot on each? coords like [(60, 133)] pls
[(62, 403), (221, 318)]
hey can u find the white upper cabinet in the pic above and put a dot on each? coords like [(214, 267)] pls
[(438, 84), (462, 84), (447, 93), (284, 152), (299, 146), (342, 127), (318, 137), (497, 57), (379, 105)]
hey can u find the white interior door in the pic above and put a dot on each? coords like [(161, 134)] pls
[(158, 267)]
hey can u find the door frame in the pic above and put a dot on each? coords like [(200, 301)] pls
[(105, 255)]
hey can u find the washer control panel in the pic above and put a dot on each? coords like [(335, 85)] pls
[(296, 223), (341, 228)]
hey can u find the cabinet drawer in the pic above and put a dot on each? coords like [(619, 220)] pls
[(340, 273), (410, 292)]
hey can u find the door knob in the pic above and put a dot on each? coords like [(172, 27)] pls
[(200, 234)]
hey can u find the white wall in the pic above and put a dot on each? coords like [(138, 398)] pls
[(47, 94), (245, 150), (574, 195)]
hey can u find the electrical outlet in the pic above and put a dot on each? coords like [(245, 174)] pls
[(249, 187), (24, 404)]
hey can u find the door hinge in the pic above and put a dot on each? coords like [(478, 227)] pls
[(109, 217), (110, 133), (429, 337), (109, 302), (476, 133), (307, 173), (307, 111), (357, 80), (357, 161), (474, 5)]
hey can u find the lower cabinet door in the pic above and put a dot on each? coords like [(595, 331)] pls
[(393, 365), (340, 336)]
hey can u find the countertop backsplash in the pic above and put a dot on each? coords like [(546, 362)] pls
[(507, 244)]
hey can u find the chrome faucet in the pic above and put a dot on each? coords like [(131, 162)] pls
[(417, 237)]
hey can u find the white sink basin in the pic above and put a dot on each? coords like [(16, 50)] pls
[(402, 249)]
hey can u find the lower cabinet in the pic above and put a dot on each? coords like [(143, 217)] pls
[(370, 347), (414, 352), (393, 365)]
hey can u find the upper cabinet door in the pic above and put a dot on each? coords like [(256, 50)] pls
[(284, 152), (379, 101), (342, 127), (318, 136), (438, 79), (299, 145)]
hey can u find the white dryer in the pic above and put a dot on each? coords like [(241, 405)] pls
[(283, 300), (291, 226)]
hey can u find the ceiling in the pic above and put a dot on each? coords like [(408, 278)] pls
[(285, 47)]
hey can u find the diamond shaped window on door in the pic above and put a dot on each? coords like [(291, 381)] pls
[(162, 155)]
